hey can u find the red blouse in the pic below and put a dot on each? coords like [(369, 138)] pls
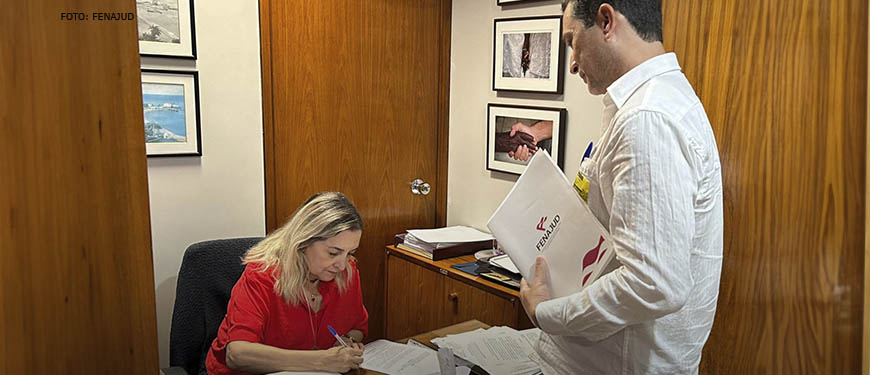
[(257, 314)]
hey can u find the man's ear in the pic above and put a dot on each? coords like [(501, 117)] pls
[(604, 19)]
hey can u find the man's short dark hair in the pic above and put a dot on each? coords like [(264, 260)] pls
[(644, 15)]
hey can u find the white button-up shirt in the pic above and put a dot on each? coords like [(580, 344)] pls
[(656, 184)]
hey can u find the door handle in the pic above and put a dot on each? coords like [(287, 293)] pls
[(454, 297), (420, 187)]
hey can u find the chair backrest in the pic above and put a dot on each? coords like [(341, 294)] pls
[(209, 270)]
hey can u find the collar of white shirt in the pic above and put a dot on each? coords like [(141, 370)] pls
[(620, 90)]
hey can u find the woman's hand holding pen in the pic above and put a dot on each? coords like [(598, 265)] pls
[(343, 358), (349, 340)]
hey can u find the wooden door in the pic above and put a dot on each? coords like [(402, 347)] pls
[(355, 100), (76, 274), (785, 85)]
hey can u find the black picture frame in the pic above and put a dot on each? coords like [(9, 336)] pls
[(512, 2), (498, 161), (186, 22), (159, 96), (507, 79)]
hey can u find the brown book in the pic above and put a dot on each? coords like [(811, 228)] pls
[(456, 250), (414, 250)]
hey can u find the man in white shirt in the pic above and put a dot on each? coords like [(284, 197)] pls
[(655, 183)]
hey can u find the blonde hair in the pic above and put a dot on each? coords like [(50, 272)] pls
[(321, 217)]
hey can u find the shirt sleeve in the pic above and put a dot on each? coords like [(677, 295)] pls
[(362, 323), (652, 226), (248, 307)]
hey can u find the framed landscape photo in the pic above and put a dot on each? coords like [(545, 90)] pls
[(527, 54), (166, 28), (170, 101), (536, 128)]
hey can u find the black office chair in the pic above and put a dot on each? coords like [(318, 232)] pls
[(209, 270)]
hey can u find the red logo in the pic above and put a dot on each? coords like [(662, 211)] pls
[(541, 224), (592, 256)]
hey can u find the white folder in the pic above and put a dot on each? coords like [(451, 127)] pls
[(544, 215)]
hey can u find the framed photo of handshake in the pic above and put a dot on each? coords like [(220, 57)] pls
[(515, 133)]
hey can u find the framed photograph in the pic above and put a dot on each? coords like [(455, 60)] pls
[(510, 2), (170, 101), (534, 128), (527, 54), (166, 28)]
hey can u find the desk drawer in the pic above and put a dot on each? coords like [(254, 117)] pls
[(420, 300)]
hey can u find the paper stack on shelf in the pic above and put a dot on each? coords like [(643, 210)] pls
[(498, 350), (441, 243)]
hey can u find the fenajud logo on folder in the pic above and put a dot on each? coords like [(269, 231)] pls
[(548, 231), (544, 215)]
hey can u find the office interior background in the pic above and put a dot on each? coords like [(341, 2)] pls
[(363, 97)]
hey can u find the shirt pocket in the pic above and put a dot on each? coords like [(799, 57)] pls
[(589, 168)]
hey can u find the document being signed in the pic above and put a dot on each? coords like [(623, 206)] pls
[(393, 358)]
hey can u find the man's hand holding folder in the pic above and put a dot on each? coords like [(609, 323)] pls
[(537, 291)]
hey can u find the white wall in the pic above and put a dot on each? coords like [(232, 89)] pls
[(473, 193), (220, 194)]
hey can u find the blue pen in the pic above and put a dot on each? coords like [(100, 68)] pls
[(588, 152), (337, 337)]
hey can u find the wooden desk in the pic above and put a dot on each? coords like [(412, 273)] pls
[(424, 295), (423, 338), (426, 338)]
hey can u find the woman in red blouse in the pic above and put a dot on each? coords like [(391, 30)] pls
[(298, 280)]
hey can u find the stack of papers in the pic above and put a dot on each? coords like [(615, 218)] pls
[(450, 235), (441, 243), (393, 358), (498, 350)]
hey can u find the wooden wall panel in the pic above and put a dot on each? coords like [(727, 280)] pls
[(785, 85), (865, 362), (76, 275)]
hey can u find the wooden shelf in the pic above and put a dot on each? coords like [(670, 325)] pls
[(444, 267), (423, 295)]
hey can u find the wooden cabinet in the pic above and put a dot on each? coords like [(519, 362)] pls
[(422, 295)]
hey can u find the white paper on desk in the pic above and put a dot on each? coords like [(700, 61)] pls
[(418, 344), (393, 358), (543, 215), (499, 350), (304, 373), (531, 335), (504, 262), (500, 344), (452, 234)]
